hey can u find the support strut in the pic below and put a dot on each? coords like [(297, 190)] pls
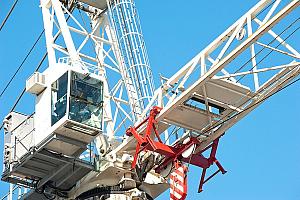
[(173, 154)]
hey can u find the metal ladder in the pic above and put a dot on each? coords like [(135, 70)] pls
[(136, 71)]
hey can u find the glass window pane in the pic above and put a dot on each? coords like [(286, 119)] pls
[(59, 98), (87, 88), (86, 100), (85, 113)]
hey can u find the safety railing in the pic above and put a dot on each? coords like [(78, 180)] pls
[(90, 67), (15, 192)]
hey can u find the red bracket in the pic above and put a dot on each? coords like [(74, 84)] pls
[(144, 141), (173, 153), (212, 160)]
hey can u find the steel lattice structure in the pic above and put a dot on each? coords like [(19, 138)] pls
[(173, 124)]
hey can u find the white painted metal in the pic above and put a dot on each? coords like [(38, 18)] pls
[(174, 97), (36, 83), (15, 192), (65, 52), (101, 4), (137, 73), (222, 77), (105, 59)]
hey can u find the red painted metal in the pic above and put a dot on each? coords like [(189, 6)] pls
[(173, 154), (178, 182)]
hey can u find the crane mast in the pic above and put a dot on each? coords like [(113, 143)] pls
[(101, 131)]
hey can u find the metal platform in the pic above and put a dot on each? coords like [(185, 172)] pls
[(69, 132), (221, 95), (101, 4), (189, 112), (42, 165)]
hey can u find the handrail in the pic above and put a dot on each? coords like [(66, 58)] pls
[(14, 188)]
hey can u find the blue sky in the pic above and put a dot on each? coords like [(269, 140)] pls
[(260, 153)]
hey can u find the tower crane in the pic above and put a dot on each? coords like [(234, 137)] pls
[(100, 129)]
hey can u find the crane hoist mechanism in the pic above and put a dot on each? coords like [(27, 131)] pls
[(101, 131)]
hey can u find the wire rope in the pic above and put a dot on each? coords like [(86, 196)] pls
[(8, 14), (22, 63)]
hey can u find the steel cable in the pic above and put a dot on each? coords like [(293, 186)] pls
[(8, 15), (22, 63)]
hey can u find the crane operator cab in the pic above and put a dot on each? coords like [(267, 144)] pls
[(82, 95), (69, 109), (67, 118)]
